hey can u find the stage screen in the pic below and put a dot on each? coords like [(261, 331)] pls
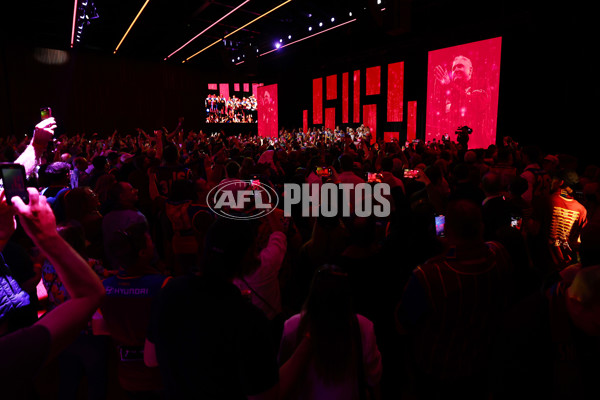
[(345, 98), (395, 92), (331, 83), (462, 89), (356, 97), (370, 120), (267, 111), (411, 121), (225, 106), (373, 81), (330, 118), (318, 101)]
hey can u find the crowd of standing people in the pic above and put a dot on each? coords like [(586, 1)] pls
[(143, 278)]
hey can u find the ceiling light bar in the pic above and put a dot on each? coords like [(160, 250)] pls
[(238, 29), (131, 26), (74, 19), (201, 33), (308, 37)]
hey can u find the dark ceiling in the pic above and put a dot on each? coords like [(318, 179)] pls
[(166, 25)]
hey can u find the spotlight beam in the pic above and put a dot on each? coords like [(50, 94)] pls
[(308, 37), (131, 26), (238, 29), (74, 19), (201, 33)]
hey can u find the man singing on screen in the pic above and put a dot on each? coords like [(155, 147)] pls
[(458, 102)]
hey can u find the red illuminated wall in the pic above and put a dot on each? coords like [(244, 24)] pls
[(356, 102), (330, 118), (318, 101), (304, 121), (246, 87), (224, 90), (462, 89), (388, 136), (236, 87), (370, 119), (331, 87), (395, 92), (255, 87), (373, 82), (411, 121), (345, 98), (212, 86), (267, 110)]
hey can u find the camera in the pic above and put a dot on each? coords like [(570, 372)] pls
[(463, 130), (463, 133)]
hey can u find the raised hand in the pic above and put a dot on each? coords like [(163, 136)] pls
[(43, 132), (37, 217), (8, 224), (442, 75)]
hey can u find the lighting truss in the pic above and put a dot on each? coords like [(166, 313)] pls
[(307, 37), (238, 29)]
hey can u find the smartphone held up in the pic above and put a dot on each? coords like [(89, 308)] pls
[(14, 182), (45, 112), (411, 173)]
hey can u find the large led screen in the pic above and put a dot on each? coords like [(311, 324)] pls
[(462, 89), (267, 111), (223, 106)]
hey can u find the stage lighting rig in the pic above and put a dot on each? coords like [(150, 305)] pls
[(85, 12)]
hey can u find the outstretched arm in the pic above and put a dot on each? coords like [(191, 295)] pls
[(32, 156), (65, 321)]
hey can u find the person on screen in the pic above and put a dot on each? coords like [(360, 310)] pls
[(458, 102), (267, 108)]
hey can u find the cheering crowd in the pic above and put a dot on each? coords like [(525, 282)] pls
[(144, 279)]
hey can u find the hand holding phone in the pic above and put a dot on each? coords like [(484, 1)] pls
[(440, 221), (43, 132), (515, 222), (324, 171), (36, 218), (373, 177), (14, 182), (45, 112), (411, 173), (8, 223)]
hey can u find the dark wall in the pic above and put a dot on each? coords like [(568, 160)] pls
[(90, 93), (548, 85)]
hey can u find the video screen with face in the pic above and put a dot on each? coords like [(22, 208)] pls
[(462, 90), (267, 111)]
